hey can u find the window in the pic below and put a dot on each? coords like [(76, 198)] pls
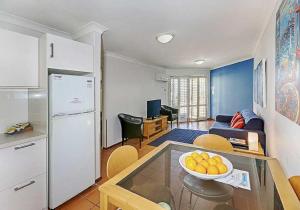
[(189, 94)]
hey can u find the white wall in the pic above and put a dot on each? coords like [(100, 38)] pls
[(192, 72), (188, 72), (283, 135), (128, 84)]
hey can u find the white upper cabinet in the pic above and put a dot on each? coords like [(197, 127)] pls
[(67, 54), (19, 60)]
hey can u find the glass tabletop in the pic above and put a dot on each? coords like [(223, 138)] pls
[(162, 179)]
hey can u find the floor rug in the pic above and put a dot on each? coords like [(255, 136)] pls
[(180, 135)]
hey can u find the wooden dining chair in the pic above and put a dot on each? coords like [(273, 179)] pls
[(295, 182), (213, 142), (120, 159)]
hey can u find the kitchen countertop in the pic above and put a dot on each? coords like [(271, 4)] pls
[(20, 138)]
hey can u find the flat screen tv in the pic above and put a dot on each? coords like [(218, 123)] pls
[(153, 108)]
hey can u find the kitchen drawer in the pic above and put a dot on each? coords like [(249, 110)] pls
[(22, 162), (27, 195)]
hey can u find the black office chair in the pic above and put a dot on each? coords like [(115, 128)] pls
[(172, 113), (132, 127)]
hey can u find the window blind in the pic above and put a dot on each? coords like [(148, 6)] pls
[(189, 94)]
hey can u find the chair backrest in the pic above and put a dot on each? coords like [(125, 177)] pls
[(131, 126), (295, 182), (165, 107), (120, 159), (214, 142)]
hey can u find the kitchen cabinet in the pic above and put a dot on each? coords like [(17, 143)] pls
[(21, 162), (30, 194), (19, 60), (23, 176), (67, 54)]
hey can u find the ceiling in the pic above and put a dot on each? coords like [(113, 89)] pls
[(219, 31)]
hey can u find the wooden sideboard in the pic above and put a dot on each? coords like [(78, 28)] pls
[(155, 126)]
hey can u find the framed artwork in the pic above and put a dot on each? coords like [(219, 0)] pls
[(287, 76), (259, 84)]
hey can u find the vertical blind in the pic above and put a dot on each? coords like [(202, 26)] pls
[(189, 94)]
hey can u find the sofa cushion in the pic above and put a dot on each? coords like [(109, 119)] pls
[(220, 125), (252, 121)]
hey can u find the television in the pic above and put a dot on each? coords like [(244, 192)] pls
[(153, 108)]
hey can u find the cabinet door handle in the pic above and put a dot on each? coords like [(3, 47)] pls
[(24, 146), (52, 50), (26, 185)]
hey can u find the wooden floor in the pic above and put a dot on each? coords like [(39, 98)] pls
[(89, 199)]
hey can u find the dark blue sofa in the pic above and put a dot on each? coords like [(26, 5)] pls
[(253, 123)]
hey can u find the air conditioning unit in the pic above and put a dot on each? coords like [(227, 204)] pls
[(163, 77)]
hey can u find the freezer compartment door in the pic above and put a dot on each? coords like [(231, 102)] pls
[(70, 94), (71, 156)]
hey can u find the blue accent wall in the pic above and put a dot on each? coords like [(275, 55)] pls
[(231, 88)]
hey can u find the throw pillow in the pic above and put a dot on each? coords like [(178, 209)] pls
[(234, 117), (239, 124), (238, 117)]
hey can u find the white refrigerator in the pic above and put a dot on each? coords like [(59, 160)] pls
[(71, 136)]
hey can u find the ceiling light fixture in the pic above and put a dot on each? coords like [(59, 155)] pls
[(199, 62), (164, 38)]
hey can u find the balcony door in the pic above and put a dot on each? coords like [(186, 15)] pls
[(189, 94)]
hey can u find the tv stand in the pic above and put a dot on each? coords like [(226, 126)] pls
[(154, 126), (152, 118)]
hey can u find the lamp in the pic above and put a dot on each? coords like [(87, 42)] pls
[(253, 141)]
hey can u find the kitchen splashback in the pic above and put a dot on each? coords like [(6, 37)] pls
[(13, 107)]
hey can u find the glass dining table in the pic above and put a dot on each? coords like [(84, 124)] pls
[(157, 182)]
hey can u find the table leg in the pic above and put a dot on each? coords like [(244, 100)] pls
[(168, 168), (104, 203)]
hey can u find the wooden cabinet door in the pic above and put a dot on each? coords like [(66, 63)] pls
[(67, 54), (19, 60)]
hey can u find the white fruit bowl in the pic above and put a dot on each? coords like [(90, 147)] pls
[(205, 176)]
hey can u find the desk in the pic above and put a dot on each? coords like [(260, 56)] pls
[(270, 188)]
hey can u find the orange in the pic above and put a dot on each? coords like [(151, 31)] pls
[(218, 159), (212, 170), (212, 161), (198, 159), (205, 155), (187, 159), (191, 164), (195, 155), (200, 169), (222, 168), (204, 163)]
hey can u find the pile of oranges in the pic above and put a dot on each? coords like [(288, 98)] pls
[(204, 164)]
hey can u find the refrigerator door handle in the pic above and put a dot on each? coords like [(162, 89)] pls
[(76, 101), (59, 115), (68, 114), (80, 113)]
